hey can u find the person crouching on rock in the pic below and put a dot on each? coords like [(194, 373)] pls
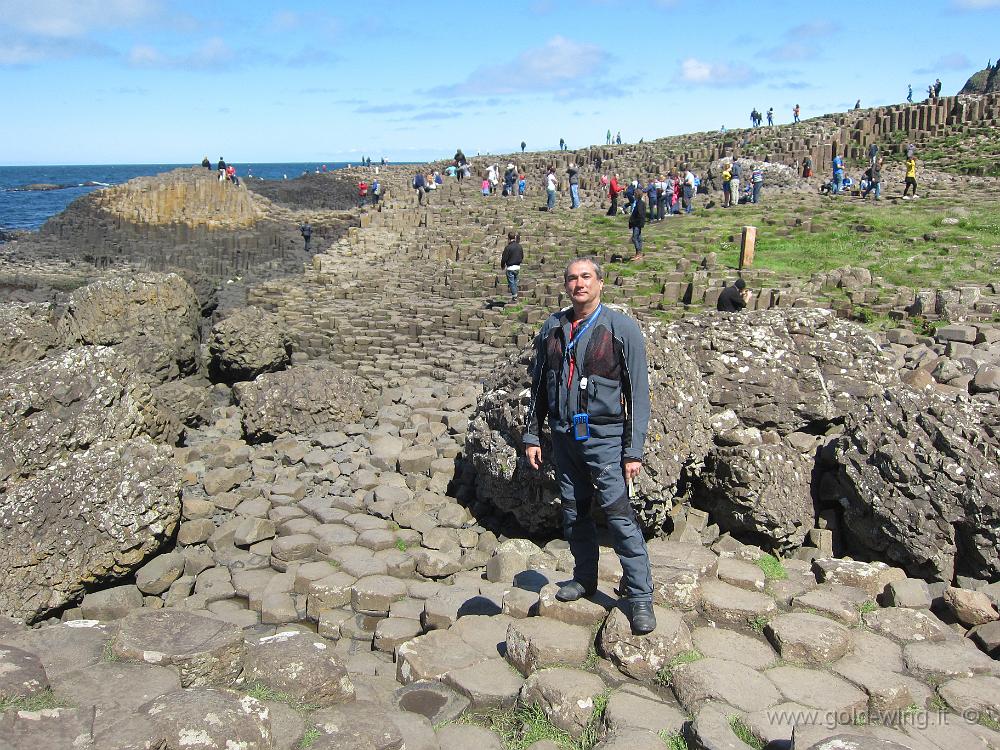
[(590, 381), (734, 297)]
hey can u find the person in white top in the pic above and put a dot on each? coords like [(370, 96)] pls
[(550, 188)]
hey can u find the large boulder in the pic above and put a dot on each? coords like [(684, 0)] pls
[(153, 317), (87, 519), (679, 435), (759, 493), (301, 400), (917, 475), (246, 344), (69, 402), (27, 332)]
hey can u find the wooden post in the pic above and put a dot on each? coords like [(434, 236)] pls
[(747, 245)]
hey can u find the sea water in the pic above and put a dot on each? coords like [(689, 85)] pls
[(29, 209)]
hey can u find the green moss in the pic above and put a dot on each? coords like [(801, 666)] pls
[(401, 545), (758, 623), (264, 693), (309, 738), (672, 740), (772, 567)]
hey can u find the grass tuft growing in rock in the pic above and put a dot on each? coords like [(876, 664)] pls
[(672, 740), (40, 701), (741, 730), (772, 567), (666, 675), (264, 693), (758, 623), (309, 738)]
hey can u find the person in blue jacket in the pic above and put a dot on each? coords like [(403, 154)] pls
[(590, 381)]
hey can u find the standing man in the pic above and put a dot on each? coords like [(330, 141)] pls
[(574, 186), (688, 190), (795, 113), (523, 146), (770, 117), (838, 173), (909, 93), (734, 182), (911, 177), (608, 139), (418, 184), (937, 88), (756, 183), (613, 190), (510, 262), (636, 221), (306, 231), (590, 380)]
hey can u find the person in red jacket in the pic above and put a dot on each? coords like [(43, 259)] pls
[(362, 193), (613, 190)]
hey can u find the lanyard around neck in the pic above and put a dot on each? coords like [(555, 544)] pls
[(579, 334)]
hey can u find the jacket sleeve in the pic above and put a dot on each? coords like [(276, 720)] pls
[(538, 406), (635, 386)]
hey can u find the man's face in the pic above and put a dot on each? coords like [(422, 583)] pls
[(582, 284)]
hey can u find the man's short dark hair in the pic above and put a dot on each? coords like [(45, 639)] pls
[(598, 271), (740, 284), (510, 236)]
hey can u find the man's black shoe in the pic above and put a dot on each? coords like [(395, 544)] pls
[(570, 592), (643, 620)]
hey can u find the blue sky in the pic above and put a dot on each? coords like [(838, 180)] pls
[(152, 81)]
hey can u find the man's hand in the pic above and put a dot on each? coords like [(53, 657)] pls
[(632, 469), (534, 455)]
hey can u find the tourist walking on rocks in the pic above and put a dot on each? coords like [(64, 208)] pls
[(613, 190), (727, 187), (306, 231), (734, 183), (651, 200), (795, 113), (807, 166), (418, 184), (510, 262), (362, 194), (872, 154), (675, 193), (734, 297), (618, 138), (937, 87), (838, 173), (911, 177), (636, 221), (222, 169), (493, 175), (608, 141), (874, 180), (661, 198), (509, 180), (574, 185), (486, 187), (770, 117), (909, 93), (550, 189), (376, 191), (590, 382), (562, 145), (523, 146)]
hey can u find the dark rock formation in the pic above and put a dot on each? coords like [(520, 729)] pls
[(921, 485), (300, 400), (327, 191), (86, 519), (248, 343), (986, 81), (153, 318), (70, 402)]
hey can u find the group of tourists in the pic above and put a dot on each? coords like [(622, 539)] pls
[(368, 192), (871, 179), (227, 172)]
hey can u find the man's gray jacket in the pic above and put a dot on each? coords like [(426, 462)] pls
[(609, 361)]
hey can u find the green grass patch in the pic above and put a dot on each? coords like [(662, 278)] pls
[(309, 738), (867, 606), (758, 623), (741, 730), (264, 693), (672, 740), (772, 567), (666, 675), (40, 701), (401, 545), (989, 722)]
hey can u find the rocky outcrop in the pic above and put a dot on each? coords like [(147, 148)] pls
[(27, 332), (248, 343), (986, 81), (152, 317), (300, 400), (70, 402), (84, 520), (920, 483)]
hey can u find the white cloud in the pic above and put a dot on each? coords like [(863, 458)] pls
[(73, 18), (703, 73), (560, 66)]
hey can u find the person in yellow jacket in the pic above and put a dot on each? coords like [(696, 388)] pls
[(727, 187), (911, 177)]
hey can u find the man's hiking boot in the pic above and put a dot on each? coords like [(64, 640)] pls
[(643, 620), (573, 590)]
